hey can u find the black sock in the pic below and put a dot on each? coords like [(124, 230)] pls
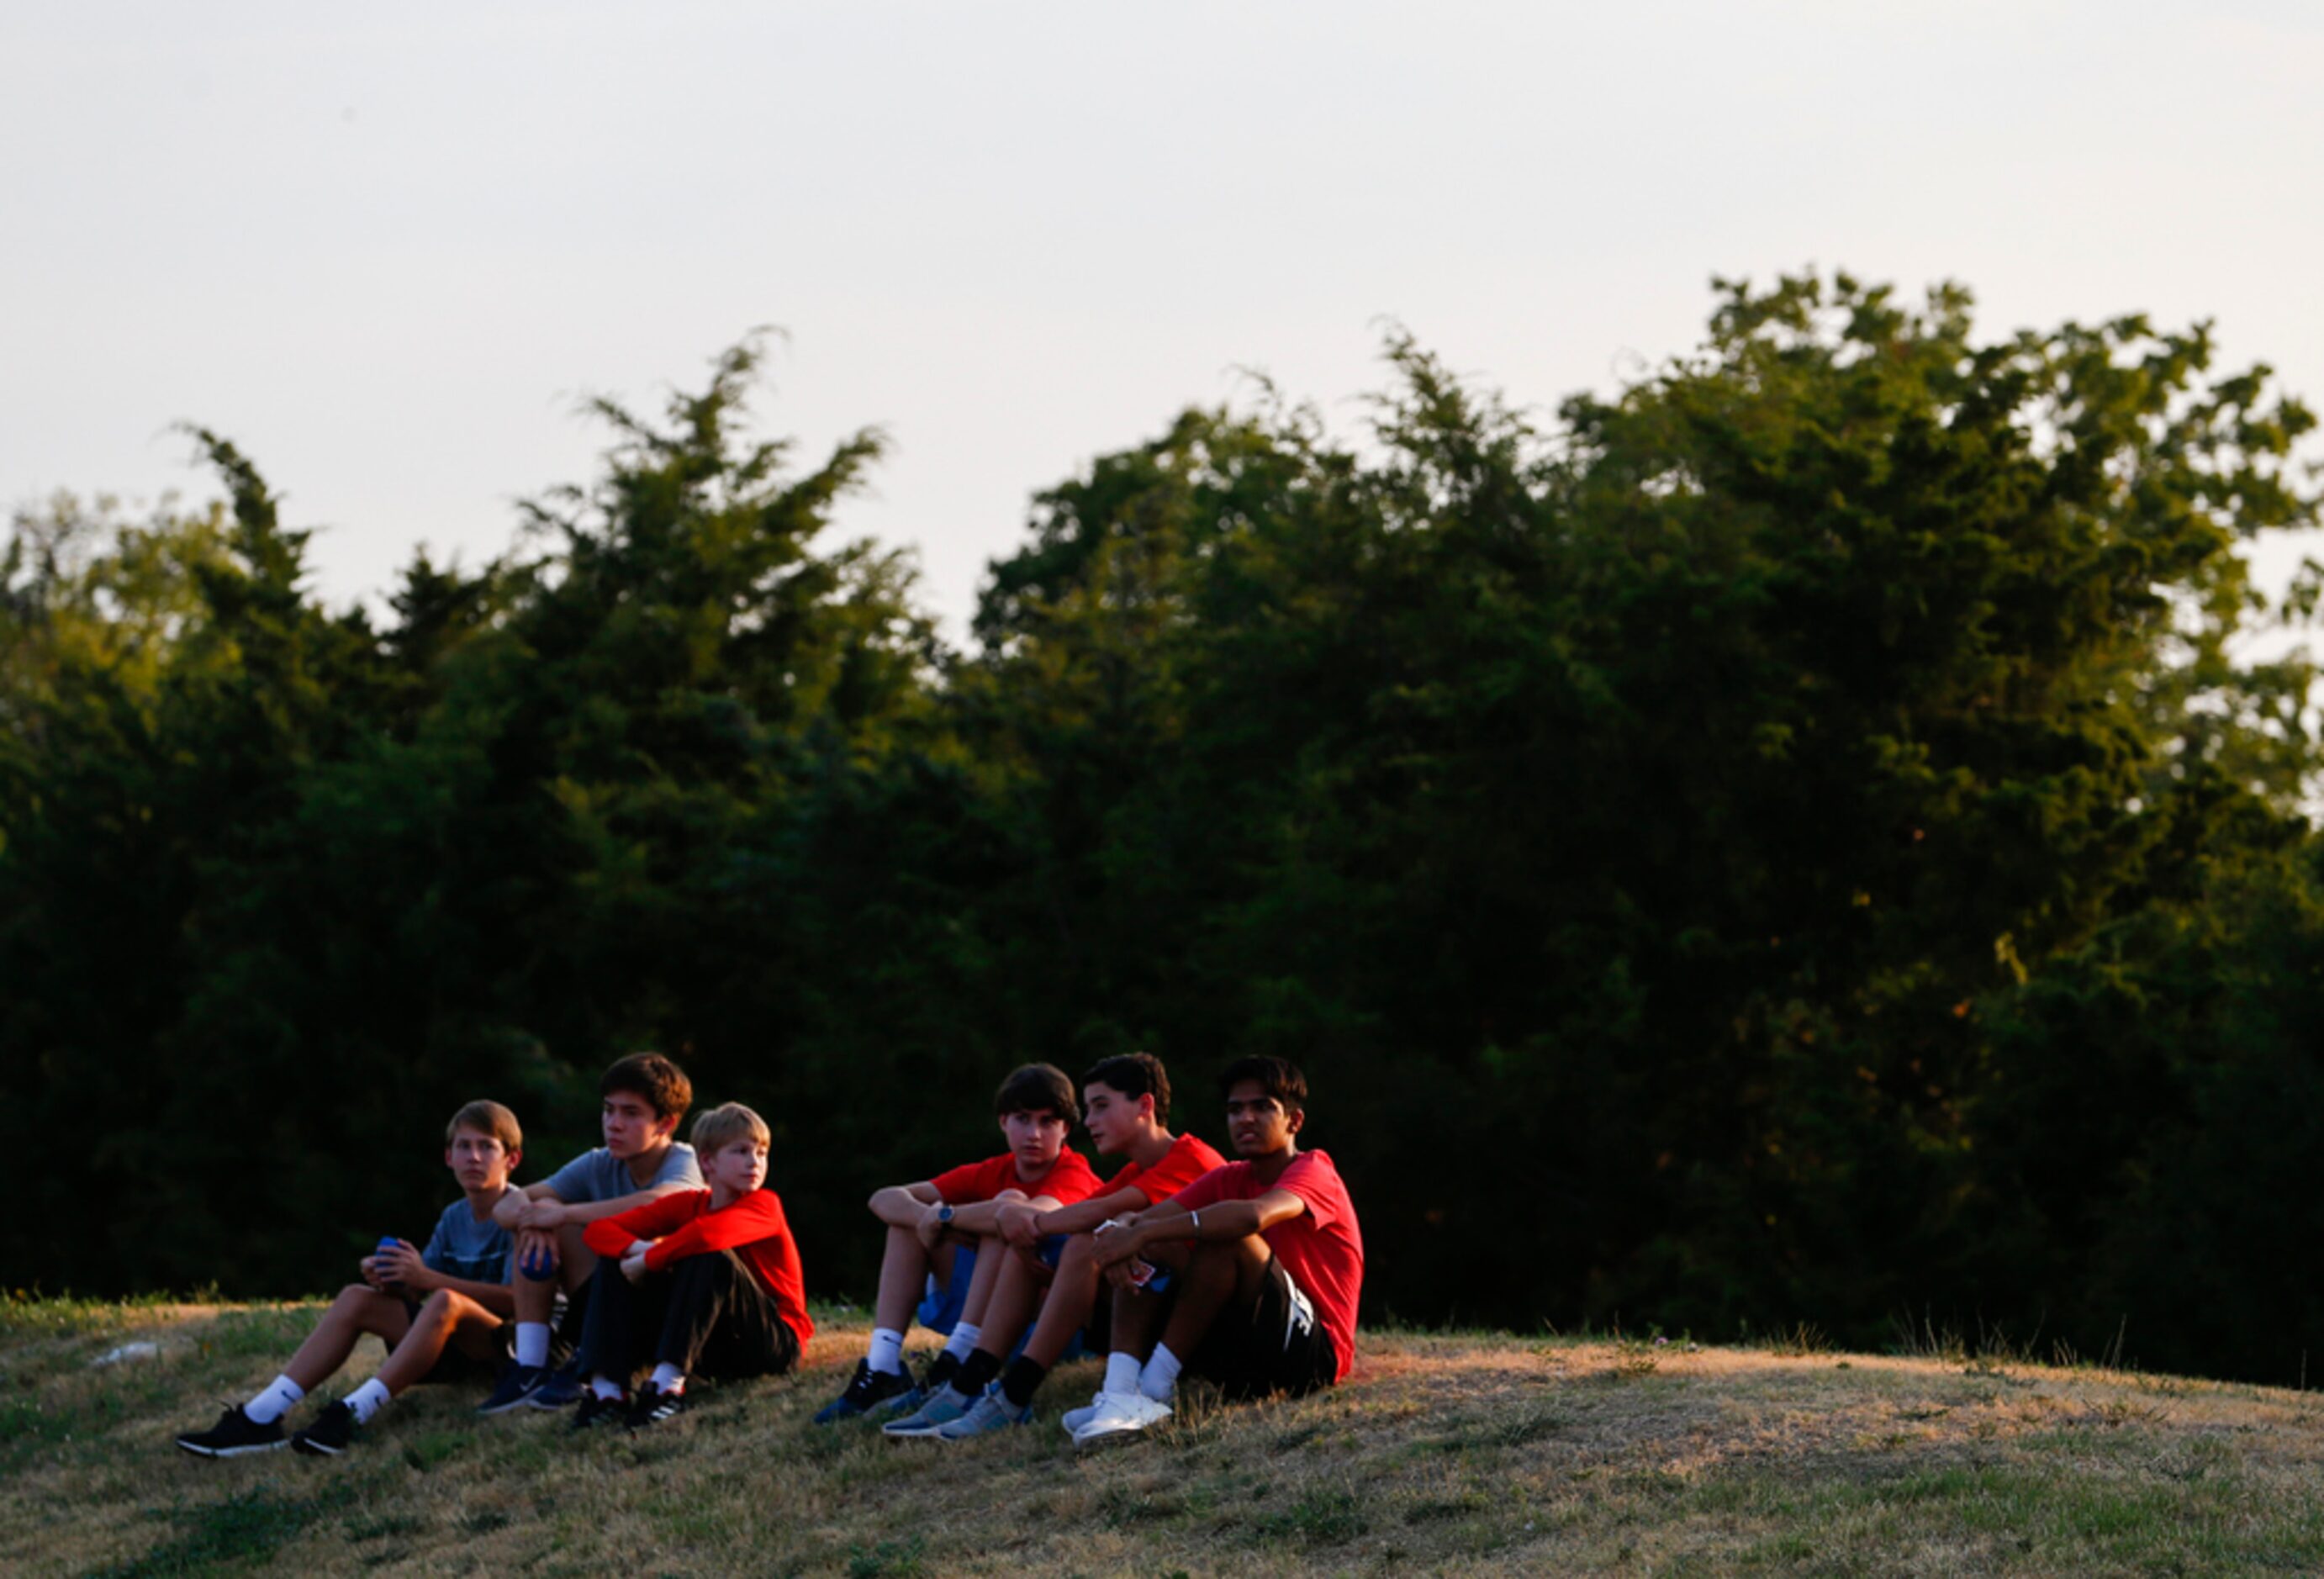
[(975, 1371), (1022, 1379), (940, 1372)]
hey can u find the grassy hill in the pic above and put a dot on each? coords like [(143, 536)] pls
[(1452, 1452)]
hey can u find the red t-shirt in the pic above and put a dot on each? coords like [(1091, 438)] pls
[(1189, 1158), (1069, 1180), (683, 1224), (1321, 1248)]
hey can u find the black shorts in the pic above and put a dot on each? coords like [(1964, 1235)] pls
[(1283, 1348), (452, 1365)]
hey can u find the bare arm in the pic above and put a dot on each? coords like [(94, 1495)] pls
[(1025, 1224), (903, 1206), (1218, 1220), (510, 1209), (539, 1209), (983, 1217)]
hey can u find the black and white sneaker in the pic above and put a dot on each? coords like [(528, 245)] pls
[(866, 1390), (594, 1412), (655, 1406), (235, 1435), (329, 1437)]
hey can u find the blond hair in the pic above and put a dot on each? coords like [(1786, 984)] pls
[(721, 1127)]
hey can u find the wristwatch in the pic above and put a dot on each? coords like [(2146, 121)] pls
[(944, 1213)]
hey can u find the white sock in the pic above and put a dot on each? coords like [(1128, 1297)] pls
[(962, 1342), (669, 1379), (532, 1342), (275, 1401), (888, 1350), (604, 1386), (1121, 1372), (1160, 1380), (368, 1400)]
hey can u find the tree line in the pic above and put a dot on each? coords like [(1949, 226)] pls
[(1797, 840)]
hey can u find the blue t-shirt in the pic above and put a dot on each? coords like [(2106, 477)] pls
[(462, 1247), (600, 1175)]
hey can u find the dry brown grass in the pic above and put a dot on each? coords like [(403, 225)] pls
[(1450, 1454)]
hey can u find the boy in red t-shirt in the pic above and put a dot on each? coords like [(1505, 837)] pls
[(1270, 1263), (703, 1283), (1127, 1103), (928, 1220)]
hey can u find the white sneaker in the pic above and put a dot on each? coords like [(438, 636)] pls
[(1074, 1420), (1120, 1414)]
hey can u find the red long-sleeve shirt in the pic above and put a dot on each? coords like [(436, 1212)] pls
[(681, 1223)]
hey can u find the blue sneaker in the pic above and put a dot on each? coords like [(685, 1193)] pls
[(561, 1390), (867, 1389), (946, 1405), (516, 1386), (992, 1412)]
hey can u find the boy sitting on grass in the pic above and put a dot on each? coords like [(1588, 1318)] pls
[(927, 1221), (438, 1310), (1126, 1101), (1267, 1265), (703, 1283), (645, 1097)]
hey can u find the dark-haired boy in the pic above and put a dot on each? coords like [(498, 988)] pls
[(453, 1330), (1268, 1265), (643, 1097), (700, 1283), (927, 1220), (1127, 1110)]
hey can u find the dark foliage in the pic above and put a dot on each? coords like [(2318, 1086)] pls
[(1789, 842)]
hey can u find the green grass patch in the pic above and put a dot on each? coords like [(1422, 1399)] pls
[(239, 1532)]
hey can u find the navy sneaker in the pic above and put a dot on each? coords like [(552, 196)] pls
[(866, 1390), (562, 1390), (516, 1386), (330, 1434), (235, 1435)]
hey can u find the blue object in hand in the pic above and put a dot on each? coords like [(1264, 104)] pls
[(537, 1264), (384, 1246)]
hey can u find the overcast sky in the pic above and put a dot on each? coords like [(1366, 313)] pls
[(387, 251)]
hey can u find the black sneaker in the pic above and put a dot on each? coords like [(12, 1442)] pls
[(655, 1406), (595, 1412), (517, 1384), (235, 1435), (329, 1437), (866, 1388)]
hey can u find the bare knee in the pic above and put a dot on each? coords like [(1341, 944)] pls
[(1227, 1263), (361, 1304), (445, 1308)]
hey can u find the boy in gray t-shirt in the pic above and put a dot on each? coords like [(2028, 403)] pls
[(438, 1310), (644, 1097)]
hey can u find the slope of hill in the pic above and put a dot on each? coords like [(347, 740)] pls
[(1450, 1453)]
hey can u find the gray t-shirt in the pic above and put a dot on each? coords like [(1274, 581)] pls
[(600, 1175), (462, 1247)]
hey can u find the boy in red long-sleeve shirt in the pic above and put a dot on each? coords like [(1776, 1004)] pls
[(703, 1283)]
